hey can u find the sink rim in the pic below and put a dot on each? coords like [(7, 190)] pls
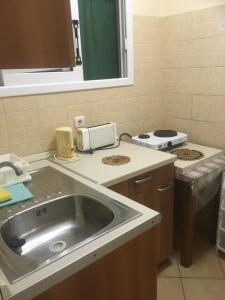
[(103, 230)]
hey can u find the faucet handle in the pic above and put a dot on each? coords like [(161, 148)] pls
[(19, 170)]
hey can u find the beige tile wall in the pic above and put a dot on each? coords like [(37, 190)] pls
[(192, 63), (179, 84), (27, 124)]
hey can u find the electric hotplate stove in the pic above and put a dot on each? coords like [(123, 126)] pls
[(160, 139)]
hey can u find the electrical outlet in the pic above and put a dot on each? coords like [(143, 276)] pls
[(79, 121)]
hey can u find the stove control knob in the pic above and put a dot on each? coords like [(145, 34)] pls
[(144, 136)]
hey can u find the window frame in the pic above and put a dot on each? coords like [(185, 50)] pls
[(71, 85)]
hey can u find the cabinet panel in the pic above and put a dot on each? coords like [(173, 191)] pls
[(128, 273), (122, 188), (36, 34)]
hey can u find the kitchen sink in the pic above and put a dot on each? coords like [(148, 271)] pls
[(63, 216)]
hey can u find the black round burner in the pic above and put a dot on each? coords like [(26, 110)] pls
[(144, 136), (165, 133)]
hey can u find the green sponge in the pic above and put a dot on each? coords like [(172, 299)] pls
[(4, 195)]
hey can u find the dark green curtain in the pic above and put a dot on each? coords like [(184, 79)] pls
[(99, 38)]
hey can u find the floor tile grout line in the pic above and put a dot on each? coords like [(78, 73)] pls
[(182, 286), (184, 278), (178, 265), (164, 276), (179, 271), (203, 278), (191, 277)]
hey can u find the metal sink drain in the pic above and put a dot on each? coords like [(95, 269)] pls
[(57, 246)]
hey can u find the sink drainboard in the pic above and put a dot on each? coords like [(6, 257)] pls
[(57, 246)]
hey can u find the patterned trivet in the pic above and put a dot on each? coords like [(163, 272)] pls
[(116, 160), (187, 154)]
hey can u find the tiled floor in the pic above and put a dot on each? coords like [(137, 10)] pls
[(204, 280)]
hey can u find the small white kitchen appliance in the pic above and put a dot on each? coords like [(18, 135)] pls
[(160, 139), (95, 137)]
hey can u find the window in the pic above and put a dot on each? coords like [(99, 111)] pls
[(103, 53)]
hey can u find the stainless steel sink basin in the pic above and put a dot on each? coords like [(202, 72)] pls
[(63, 216), (40, 233)]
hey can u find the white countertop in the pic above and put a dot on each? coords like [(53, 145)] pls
[(90, 170), (48, 276), (184, 166), (143, 160)]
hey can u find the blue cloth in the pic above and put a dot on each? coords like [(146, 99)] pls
[(19, 193)]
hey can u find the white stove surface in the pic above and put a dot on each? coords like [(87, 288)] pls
[(158, 143), (184, 166)]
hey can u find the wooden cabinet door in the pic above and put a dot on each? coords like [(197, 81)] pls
[(36, 34), (127, 273), (164, 203), (155, 190), (139, 189), (142, 189), (122, 188)]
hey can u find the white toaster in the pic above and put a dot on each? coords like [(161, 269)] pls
[(95, 137)]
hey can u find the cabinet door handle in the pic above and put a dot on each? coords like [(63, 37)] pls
[(143, 180), (166, 188)]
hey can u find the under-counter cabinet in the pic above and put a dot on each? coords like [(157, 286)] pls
[(127, 273), (155, 190)]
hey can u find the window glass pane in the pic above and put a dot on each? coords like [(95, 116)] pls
[(99, 38)]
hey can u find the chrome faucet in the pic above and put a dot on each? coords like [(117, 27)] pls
[(17, 170)]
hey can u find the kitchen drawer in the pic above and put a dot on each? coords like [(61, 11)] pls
[(143, 182), (159, 178)]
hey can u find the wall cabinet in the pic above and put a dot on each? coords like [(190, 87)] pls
[(128, 273), (36, 34), (155, 190)]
